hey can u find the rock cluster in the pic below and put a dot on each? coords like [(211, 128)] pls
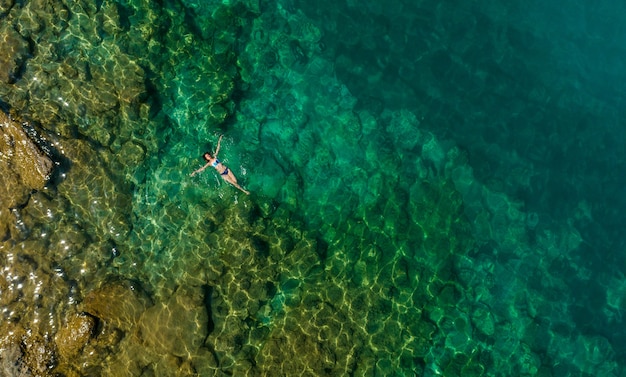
[(83, 70), (23, 168), (147, 335), (64, 68)]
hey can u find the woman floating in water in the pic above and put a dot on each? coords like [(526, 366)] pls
[(225, 172)]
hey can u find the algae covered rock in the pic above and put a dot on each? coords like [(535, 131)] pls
[(38, 355), (178, 326), (23, 166), (5, 6), (484, 322), (119, 304), (73, 337), (12, 358), (13, 52), (100, 198)]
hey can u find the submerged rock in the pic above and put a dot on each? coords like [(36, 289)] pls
[(23, 166), (12, 359), (38, 355), (178, 326), (119, 304), (13, 51), (73, 337)]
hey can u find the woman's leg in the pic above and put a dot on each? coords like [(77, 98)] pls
[(230, 178)]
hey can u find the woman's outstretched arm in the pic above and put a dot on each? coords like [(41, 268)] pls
[(219, 142), (201, 169)]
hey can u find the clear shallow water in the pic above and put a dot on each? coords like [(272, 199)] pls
[(433, 191)]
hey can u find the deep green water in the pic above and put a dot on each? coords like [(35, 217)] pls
[(437, 189)]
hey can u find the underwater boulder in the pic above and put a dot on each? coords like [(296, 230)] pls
[(119, 304), (73, 337), (37, 357), (23, 166), (13, 54), (178, 326)]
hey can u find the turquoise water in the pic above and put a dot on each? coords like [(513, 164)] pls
[(435, 189)]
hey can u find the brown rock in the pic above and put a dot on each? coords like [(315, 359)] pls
[(177, 327), (73, 337), (5, 6), (13, 53), (106, 205), (23, 167), (37, 356), (12, 359), (119, 304)]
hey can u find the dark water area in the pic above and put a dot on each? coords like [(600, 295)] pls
[(436, 188), (528, 89)]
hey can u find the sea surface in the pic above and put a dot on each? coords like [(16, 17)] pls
[(437, 188)]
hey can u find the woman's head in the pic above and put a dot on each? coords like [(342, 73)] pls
[(207, 156)]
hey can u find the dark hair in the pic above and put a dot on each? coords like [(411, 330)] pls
[(204, 155)]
